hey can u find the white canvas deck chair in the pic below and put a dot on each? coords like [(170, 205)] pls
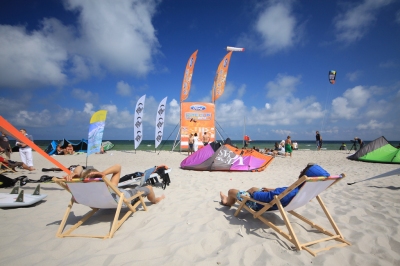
[(97, 195), (311, 189)]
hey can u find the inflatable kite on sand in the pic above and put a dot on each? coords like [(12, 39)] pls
[(217, 157)]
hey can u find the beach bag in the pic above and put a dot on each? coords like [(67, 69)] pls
[(160, 170), (6, 181), (131, 176)]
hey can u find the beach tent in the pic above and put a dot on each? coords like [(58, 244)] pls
[(377, 151), (217, 157), (80, 146), (107, 145), (10, 130)]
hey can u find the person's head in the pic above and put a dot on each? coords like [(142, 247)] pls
[(23, 131), (313, 170), (317, 132), (87, 172), (205, 133), (58, 146), (355, 138), (191, 135), (195, 134), (288, 137)]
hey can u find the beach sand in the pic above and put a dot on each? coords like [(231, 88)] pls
[(190, 227)]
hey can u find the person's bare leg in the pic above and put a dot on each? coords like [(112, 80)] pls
[(230, 199), (152, 196), (27, 167)]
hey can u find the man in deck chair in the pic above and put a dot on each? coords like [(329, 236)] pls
[(267, 194), (115, 171)]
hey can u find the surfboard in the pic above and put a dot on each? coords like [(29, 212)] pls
[(8, 200)]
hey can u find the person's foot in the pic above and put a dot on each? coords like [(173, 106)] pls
[(224, 198), (31, 168)]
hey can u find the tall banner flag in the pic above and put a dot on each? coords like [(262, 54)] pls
[(199, 118), (96, 129), (220, 77), (160, 122), (187, 77), (139, 110)]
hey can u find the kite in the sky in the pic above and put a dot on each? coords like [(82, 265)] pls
[(234, 49), (332, 76)]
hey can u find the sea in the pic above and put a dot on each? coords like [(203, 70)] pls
[(171, 145)]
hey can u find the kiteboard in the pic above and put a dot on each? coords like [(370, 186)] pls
[(17, 198)]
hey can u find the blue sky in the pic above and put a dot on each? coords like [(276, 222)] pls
[(60, 61)]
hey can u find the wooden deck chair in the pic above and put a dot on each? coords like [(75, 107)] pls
[(311, 189), (4, 168), (97, 195)]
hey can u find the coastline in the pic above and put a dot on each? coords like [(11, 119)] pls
[(191, 227)]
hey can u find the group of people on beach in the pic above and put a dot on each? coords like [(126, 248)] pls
[(194, 142)]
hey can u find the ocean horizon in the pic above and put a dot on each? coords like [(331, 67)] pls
[(167, 145)]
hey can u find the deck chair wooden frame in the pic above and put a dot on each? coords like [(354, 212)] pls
[(311, 189), (4, 168), (103, 200)]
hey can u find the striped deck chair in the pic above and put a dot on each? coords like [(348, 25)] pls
[(4, 168), (311, 189), (97, 194)]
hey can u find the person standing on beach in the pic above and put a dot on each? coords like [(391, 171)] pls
[(206, 139), (191, 141), (288, 146), (318, 139), (5, 148), (24, 150), (195, 142)]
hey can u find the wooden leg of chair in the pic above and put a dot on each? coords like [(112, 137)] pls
[(292, 234), (64, 220), (241, 204), (328, 215), (114, 226), (84, 219)]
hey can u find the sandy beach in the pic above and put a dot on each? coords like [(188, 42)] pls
[(190, 227)]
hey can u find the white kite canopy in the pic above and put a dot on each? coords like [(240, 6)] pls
[(234, 49)]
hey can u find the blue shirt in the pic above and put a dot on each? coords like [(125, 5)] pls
[(269, 196)]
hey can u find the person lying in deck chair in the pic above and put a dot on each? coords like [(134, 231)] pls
[(267, 194), (13, 164), (115, 170)]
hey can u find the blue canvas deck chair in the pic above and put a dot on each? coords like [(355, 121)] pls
[(310, 189), (100, 194)]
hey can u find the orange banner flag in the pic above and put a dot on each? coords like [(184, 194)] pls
[(187, 76), (220, 77)]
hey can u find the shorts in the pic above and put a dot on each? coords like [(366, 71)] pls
[(250, 204), (130, 192), (190, 146)]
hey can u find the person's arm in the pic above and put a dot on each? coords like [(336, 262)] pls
[(115, 170)]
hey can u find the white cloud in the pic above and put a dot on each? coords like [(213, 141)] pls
[(86, 96), (354, 23), (283, 86), (267, 106), (398, 17), (357, 96), (30, 60), (388, 64), (277, 26), (353, 76), (374, 124), (88, 109), (123, 88), (116, 36)]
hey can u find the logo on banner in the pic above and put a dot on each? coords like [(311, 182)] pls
[(198, 107), (225, 62), (139, 108), (138, 122), (161, 110), (160, 123), (138, 136), (159, 136)]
